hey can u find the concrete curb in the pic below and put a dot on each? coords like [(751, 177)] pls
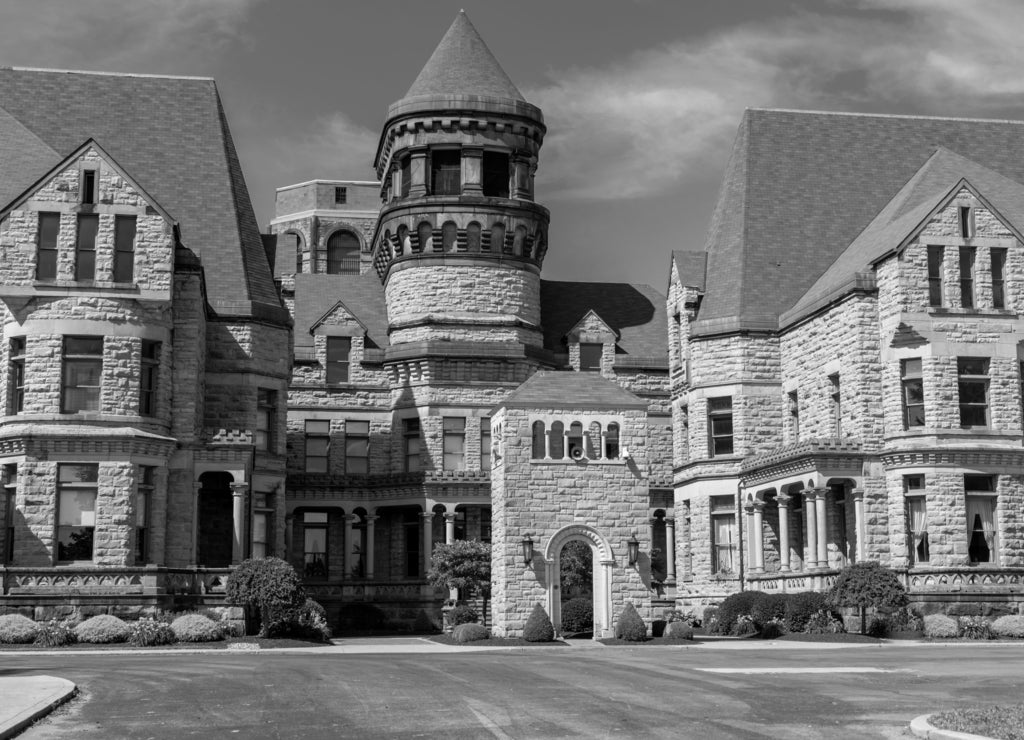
[(48, 693), (921, 727)]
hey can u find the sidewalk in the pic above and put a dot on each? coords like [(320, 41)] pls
[(25, 699)]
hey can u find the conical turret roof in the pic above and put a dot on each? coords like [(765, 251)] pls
[(463, 65)]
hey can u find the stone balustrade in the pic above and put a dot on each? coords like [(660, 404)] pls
[(789, 583), (102, 581)]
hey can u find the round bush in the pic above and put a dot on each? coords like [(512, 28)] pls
[(678, 631), (470, 632), (308, 621), (1012, 625), (630, 626), (766, 607), (733, 607), (463, 614), (17, 628), (196, 628), (578, 615), (269, 585), (538, 626), (940, 626), (102, 629), (146, 632), (801, 607)]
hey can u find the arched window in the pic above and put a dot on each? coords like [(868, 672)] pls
[(403, 240), (556, 444), (593, 440), (342, 253), (576, 440), (294, 242), (449, 236), (518, 240), (425, 233), (539, 448), (473, 237), (611, 442), (498, 237)]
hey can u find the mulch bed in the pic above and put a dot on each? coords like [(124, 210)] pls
[(495, 642)]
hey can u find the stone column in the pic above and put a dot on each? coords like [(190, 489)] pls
[(757, 536), (449, 528), (350, 545), (238, 491), (197, 487), (858, 521), (472, 170), (751, 554), (368, 556), (810, 522), (428, 537), (417, 172), (783, 501), (289, 534), (822, 517), (670, 549)]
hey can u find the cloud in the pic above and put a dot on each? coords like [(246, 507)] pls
[(119, 35), (640, 125)]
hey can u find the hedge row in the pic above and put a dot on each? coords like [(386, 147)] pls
[(107, 629), (747, 612)]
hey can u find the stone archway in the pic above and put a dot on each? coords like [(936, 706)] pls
[(602, 575)]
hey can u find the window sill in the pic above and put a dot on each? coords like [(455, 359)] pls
[(585, 461), (940, 311)]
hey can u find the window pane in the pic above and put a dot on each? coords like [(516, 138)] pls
[(590, 356), (495, 174), (77, 473), (318, 427), (83, 345), (317, 446), (314, 517), (85, 248), (124, 249), (77, 508)]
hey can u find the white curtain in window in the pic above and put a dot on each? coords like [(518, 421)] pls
[(983, 507), (724, 528), (918, 518)]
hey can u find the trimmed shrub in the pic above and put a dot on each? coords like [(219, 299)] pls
[(269, 585), (733, 607), (939, 626), (102, 629), (767, 607), (196, 628), (824, 622), (867, 585), (17, 628), (744, 625), (55, 633), (801, 607), (470, 632), (307, 621), (1011, 625), (538, 626), (578, 615), (678, 631), (630, 625), (463, 614), (146, 632), (974, 628)]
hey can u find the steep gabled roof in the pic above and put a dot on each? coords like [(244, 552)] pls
[(691, 268), (930, 189), (463, 65), (571, 390), (172, 135), (801, 186), (362, 295), (23, 157)]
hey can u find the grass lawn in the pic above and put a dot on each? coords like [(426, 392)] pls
[(1005, 723)]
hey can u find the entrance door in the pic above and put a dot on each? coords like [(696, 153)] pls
[(216, 525)]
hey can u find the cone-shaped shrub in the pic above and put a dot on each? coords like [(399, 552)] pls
[(630, 626), (538, 626), (17, 628)]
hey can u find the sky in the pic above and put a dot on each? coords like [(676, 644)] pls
[(642, 98)]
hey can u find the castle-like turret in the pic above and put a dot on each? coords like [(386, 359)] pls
[(460, 242)]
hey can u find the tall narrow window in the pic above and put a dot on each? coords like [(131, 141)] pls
[(266, 419), (76, 511), (124, 249), (17, 374), (318, 443), (998, 257), (575, 440), (81, 374), (411, 525), (406, 174), (935, 253), (590, 356), (342, 253), (972, 377), (794, 414), (967, 277), (917, 518), (149, 374), (556, 441), (454, 440), (340, 196), (485, 443), (966, 222), (357, 447), (720, 426), (88, 187), (293, 243), (592, 440), (314, 544), (611, 442), (723, 535), (85, 246), (445, 172), (495, 174), (412, 440), (485, 524), (836, 398), (143, 500), (46, 253), (538, 450), (981, 518), (10, 483), (912, 384), (339, 350)]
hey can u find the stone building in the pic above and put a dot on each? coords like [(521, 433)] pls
[(146, 349), (442, 390), (846, 365)]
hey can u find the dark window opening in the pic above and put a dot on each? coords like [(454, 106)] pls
[(720, 426), (913, 393), (318, 444), (339, 351), (998, 257), (124, 249), (972, 379), (357, 447), (445, 172), (406, 176), (495, 174), (412, 440), (342, 253), (314, 544), (46, 255), (17, 375), (340, 196), (85, 247), (76, 511), (966, 222), (967, 277), (590, 356), (82, 371), (266, 419), (88, 187), (935, 253), (143, 497), (149, 373)]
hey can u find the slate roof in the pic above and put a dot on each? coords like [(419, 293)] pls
[(690, 267), (571, 390), (362, 295), (801, 186), (463, 65), (171, 135), (636, 312)]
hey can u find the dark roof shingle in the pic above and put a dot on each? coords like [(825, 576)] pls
[(571, 390)]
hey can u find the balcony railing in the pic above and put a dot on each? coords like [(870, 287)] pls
[(103, 581), (788, 583)]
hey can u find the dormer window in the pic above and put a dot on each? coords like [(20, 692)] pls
[(88, 187), (590, 356)]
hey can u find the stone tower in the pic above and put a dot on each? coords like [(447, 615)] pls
[(460, 242)]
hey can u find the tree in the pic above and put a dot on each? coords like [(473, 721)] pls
[(269, 585), (865, 585), (576, 566), (463, 565)]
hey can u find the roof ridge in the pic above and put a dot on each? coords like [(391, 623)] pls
[(104, 74), (909, 117)]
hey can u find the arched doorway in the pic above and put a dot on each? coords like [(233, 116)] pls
[(601, 574), (576, 588), (216, 520)]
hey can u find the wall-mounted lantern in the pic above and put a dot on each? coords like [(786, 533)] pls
[(633, 549), (527, 550)]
